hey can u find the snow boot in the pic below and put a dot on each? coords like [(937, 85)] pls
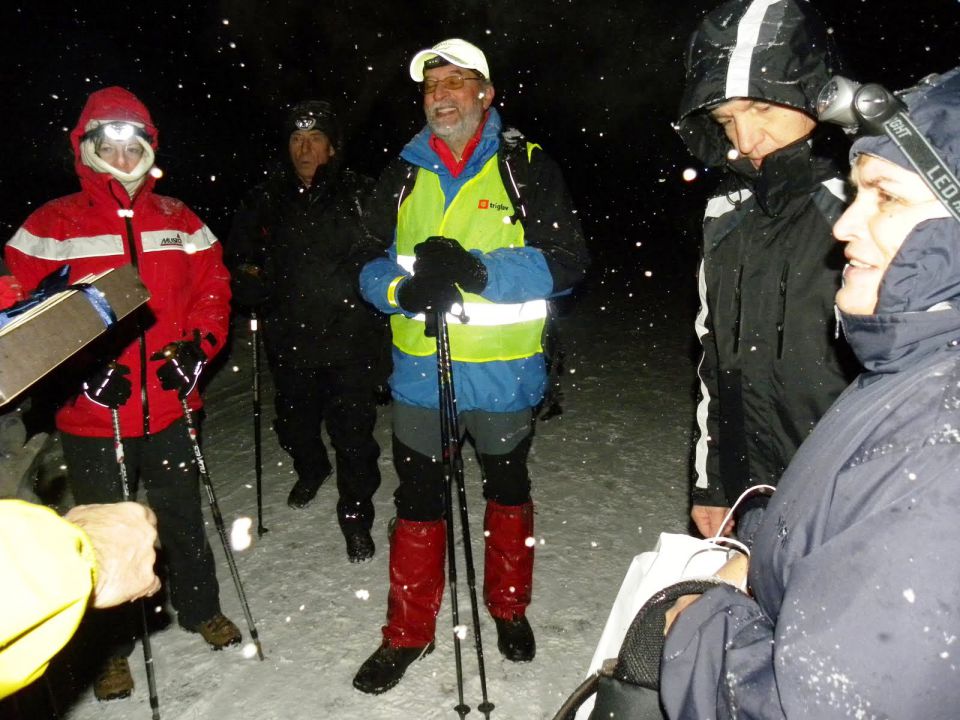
[(508, 576), (114, 680), (383, 670), (219, 632), (356, 519), (417, 551), (305, 490), (360, 545)]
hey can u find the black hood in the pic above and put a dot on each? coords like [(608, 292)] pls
[(772, 50)]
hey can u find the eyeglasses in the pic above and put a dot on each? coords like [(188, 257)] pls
[(450, 82)]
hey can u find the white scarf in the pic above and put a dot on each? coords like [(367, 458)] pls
[(132, 180)]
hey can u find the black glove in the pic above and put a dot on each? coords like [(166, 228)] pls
[(250, 286), (184, 363), (427, 294), (446, 258), (110, 387)]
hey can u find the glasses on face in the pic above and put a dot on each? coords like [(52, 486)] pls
[(450, 82)]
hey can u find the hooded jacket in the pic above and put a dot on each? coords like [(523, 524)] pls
[(854, 608), (177, 256), (770, 267), (310, 246)]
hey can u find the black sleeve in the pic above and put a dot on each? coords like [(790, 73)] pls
[(552, 225)]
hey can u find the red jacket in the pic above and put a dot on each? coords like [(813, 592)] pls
[(176, 255)]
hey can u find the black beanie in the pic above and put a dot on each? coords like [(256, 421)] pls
[(314, 115)]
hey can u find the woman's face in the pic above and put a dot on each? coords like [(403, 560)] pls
[(890, 202), (124, 155)]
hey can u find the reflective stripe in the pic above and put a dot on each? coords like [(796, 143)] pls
[(837, 187), (493, 314), (722, 204), (748, 31), (471, 343), (62, 250), (392, 291)]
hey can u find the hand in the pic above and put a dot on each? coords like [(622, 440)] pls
[(109, 388), (446, 258), (250, 286), (184, 363), (426, 294), (123, 536), (734, 572), (707, 518)]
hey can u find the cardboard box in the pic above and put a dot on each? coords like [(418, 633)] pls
[(38, 341)]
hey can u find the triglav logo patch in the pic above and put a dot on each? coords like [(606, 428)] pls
[(487, 205)]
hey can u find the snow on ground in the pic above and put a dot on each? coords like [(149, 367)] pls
[(609, 475)]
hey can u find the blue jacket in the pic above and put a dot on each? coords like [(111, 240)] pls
[(553, 259)]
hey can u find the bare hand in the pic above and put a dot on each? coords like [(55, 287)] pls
[(707, 518), (734, 572), (123, 536)]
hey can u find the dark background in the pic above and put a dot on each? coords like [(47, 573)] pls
[(596, 83)]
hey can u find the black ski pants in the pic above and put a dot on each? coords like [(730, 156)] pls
[(343, 397), (165, 464), (502, 442)]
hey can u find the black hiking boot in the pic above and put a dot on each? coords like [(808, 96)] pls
[(515, 639), (360, 545), (383, 670), (304, 491)]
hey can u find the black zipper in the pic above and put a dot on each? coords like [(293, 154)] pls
[(783, 308), (738, 301), (135, 261)]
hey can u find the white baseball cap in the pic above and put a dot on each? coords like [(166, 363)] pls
[(454, 51)]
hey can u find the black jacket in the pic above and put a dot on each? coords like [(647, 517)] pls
[(770, 267), (310, 247)]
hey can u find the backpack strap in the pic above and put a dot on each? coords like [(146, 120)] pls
[(513, 160)]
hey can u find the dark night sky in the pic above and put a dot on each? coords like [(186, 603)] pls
[(595, 82)]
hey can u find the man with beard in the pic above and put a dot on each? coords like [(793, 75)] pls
[(465, 237)]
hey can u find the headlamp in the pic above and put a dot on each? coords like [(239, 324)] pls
[(116, 131), (873, 110), (855, 106), (305, 122)]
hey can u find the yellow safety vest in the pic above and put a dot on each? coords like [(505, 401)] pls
[(478, 218)]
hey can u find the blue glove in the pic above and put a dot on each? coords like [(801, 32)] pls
[(109, 388), (184, 363)]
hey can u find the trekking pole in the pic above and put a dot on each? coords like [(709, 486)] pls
[(218, 521), (257, 447), (147, 652), (453, 472)]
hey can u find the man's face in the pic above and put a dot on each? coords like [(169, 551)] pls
[(309, 149), (757, 128), (455, 115)]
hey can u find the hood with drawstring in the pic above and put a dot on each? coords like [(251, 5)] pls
[(772, 50), (112, 104), (918, 307)]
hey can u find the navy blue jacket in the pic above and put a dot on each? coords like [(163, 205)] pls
[(857, 595)]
